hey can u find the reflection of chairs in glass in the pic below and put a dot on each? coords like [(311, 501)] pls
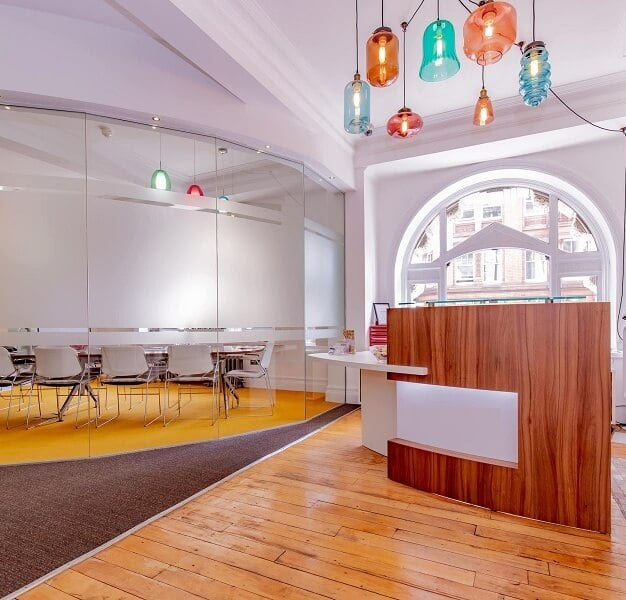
[(259, 368), (126, 367), (191, 367), (58, 367), (12, 377)]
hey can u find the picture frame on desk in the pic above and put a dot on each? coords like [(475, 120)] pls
[(380, 312)]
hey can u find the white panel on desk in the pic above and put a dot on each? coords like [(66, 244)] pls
[(478, 422)]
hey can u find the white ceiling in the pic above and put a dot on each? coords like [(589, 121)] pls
[(273, 71)]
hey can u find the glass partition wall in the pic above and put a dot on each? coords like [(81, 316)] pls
[(160, 287)]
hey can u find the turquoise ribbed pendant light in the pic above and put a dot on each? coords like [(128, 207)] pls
[(356, 96), (534, 75)]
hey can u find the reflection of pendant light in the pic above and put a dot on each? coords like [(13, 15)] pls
[(483, 112), (534, 76), (160, 179), (356, 96), (489, 32), (439, 60), (194, 190), (405, 123), (223, 151), (382, 51)]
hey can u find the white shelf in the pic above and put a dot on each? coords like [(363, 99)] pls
[(366, 360)]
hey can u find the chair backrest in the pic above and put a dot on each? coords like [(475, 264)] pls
[(123, 361), (266, 359), (56, 362), (6, 364), (189, 359)]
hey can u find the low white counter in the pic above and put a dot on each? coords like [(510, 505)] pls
[(457, 421)]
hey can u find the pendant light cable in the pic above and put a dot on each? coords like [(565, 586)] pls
[(465, 7), (483, 76), (437, 10), (404, 26), (416, 11), (621, 297), (356, 2), (534, 39), (382, 13), (160, 167), (194, 161)]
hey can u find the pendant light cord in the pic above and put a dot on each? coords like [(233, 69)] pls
[(621, 130), (621, 297), (404, 26), (483, 75), (465, 7), (194, 161), (534, 38), (160, 167), (416, 11), (437, 10), (382, 13), (356, 2)]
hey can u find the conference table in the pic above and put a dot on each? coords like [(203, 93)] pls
[(156, 357)]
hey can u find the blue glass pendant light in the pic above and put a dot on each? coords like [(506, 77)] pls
[(356, 96), (439, 59), (534, 76), (160, 180)]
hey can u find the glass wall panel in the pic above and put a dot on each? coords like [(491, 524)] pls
[(152, 281), (324, 290), (43, 269), (182, 277), (260, 242)]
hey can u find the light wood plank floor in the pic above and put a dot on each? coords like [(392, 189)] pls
[(321, 520)]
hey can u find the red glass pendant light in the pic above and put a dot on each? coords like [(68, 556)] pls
[(195, 190)]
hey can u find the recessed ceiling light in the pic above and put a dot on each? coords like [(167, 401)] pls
[(259, 152), (155, 118), (222, 150), (331, 177), (7, 107), (154, 126), (8, 188), (267, 146)]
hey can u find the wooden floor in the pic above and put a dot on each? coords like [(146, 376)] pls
[(321, 520)]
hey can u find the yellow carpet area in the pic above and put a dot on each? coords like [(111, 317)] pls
[(77, 436)]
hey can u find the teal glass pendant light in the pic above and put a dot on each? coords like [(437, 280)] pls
[(439, 60), (534, 76), (356, 96), (160, 180)]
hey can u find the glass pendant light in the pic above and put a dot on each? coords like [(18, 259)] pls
[(160, 180), (405, 123), (356, 96), (489, 32), (483, 112), (439, 61), (534, 76), (382, 62), (194, 189), (223, 151)]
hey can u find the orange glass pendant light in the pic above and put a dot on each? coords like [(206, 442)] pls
[(483, 112), (405, 123), (489, 32), (382, 62)]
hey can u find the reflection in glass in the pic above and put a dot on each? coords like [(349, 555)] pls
[(428, 245), (574, 235)]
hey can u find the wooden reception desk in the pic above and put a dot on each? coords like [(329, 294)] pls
[(556, 358)]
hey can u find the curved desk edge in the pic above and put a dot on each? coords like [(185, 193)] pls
[(366, 360)]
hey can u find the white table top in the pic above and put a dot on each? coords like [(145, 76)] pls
[(366, 360)]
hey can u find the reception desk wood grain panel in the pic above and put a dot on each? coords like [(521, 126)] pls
[(556, 357)]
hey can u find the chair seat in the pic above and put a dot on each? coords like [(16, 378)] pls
[(146, 377), (62, 381), (18, 380), (191, 378), (244, 374)]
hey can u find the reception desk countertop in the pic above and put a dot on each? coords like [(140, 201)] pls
[(366, 360)]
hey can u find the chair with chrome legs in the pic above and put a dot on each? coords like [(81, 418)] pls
[(126, 368), (58, 367), (191, 367), (13, 378), (259, 368)]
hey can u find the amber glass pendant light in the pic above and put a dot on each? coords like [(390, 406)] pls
[(489, 32), (405, 123), (483, 112), (194, 189), (382, 62)]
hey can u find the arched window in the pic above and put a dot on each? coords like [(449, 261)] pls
[(504, 241)]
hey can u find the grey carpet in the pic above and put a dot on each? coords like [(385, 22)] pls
[(56, 512)]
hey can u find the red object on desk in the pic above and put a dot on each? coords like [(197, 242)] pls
[(378, 335)]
